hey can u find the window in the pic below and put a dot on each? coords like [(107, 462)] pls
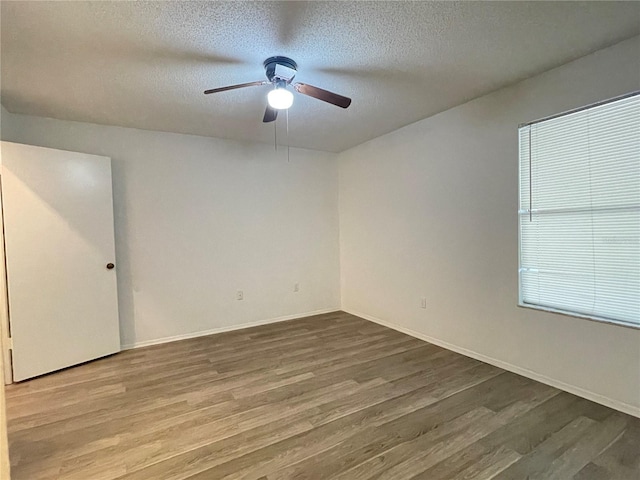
[(579, 212)]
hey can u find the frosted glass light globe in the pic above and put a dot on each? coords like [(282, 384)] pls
[(280, 98)]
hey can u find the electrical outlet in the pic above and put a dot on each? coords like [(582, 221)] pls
[(423, 302), (239, 295), (296, 287)]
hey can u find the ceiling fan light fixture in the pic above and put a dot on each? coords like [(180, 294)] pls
[(280, 98), (280, 72)]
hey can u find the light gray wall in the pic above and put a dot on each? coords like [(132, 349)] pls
[(197, 219), (430, 210)]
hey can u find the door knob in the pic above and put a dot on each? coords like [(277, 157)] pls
[(110, 266)]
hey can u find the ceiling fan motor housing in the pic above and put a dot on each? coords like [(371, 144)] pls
[(282, 68)]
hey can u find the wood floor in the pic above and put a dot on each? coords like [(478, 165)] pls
[(326, 397)]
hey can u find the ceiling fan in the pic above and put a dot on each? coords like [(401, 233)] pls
[(280, 72)]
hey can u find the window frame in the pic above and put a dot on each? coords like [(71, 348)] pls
[(533, 306)]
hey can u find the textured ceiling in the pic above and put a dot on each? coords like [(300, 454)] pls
[(145, 65)]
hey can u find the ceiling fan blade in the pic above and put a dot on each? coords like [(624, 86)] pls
[(324, 95), (233, 87), (270, 114)]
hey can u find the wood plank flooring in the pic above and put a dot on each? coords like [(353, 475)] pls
[(325, 397)]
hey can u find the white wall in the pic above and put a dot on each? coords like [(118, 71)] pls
[(430, 210), (197, 219)]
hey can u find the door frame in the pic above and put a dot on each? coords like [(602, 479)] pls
[(5, 470), (5, 326)]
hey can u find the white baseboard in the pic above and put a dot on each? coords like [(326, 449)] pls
[(581, 392), (213, 331)]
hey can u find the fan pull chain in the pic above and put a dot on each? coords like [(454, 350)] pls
[(288, 158), (275, 135)]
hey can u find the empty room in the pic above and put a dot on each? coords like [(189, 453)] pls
[(324, 240)]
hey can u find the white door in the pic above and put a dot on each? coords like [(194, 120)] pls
[(58, 224)]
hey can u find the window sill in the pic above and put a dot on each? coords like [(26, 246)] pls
[(581, 316)]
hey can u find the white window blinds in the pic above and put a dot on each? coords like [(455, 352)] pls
[(579, 212)]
